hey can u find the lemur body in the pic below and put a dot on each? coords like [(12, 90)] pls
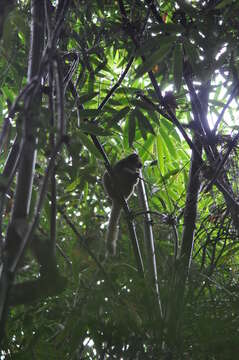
[(125, 174)]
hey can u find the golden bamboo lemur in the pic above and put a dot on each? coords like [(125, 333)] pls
[(125, 176)]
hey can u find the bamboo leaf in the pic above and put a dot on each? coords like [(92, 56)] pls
[(132, 126), (94, 129), (192, 53), (167, 141), (88, 113), (88, 144), (143, 104), (87, 96), (121, 114), (147, 148), (142, 129), (155, 43), (178, 66), (144, 122), (160, 153), (154, 59), (171, 173)]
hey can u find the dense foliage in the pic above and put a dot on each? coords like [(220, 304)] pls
[(87, 81)]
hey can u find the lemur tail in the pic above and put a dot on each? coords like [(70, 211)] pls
[(113, 228)]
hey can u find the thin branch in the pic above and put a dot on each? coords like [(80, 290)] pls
[(219, 119), (223, 160), (117, 84), (149, 240), (60, 96), (71, 72), (39, 205), (65, 257), (9, 172)]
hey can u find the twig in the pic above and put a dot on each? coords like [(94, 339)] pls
[(219, 119), (68, 261), (117, 84)]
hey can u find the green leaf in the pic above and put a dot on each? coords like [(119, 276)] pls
[(92, 113), (94, 129), (192, 53), (33, 203), (73, 185), (88, 144), (155, 43), (229, 251), (143, 104), (154, 59), (8, 93), (167, 141), (132, 126), (86, 192), (87, 96), (142, 129), (154, 117), (160, 153), (121, 114), (147, 148), (171, 173), (170, 129), (113, 102), (126, 134), (178, 65), (144, 122), (47, 211)]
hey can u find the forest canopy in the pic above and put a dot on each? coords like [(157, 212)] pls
[(85, 84)]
